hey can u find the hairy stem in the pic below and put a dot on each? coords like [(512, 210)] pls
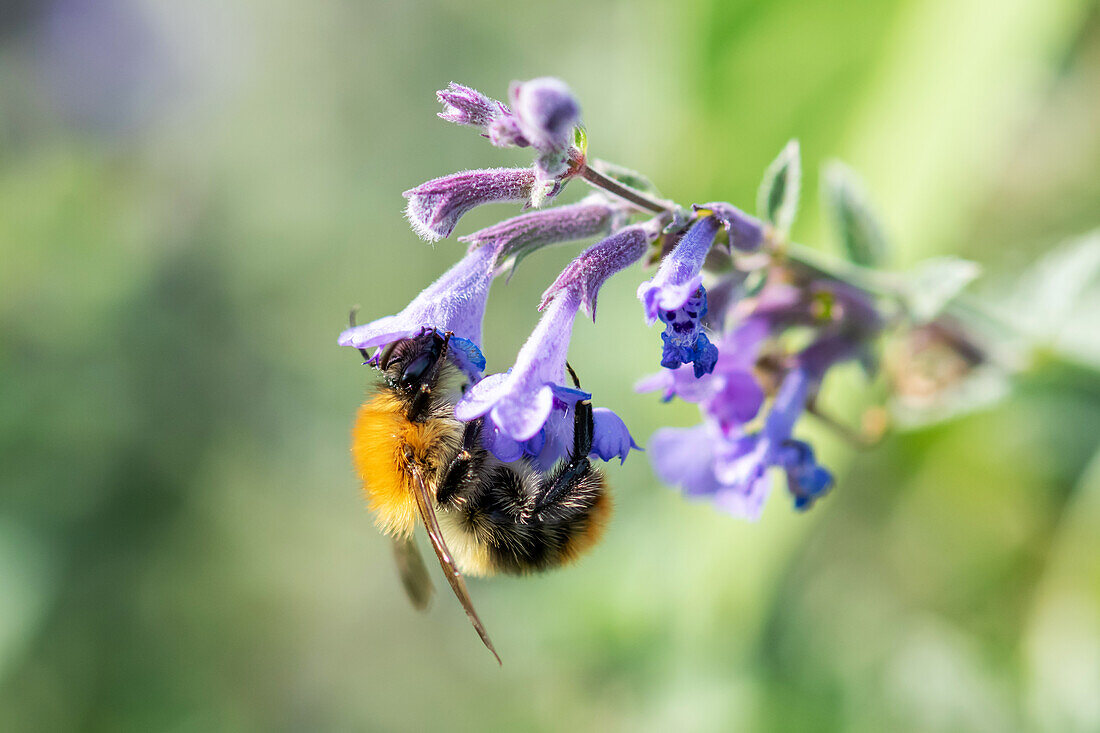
[(639, 199)]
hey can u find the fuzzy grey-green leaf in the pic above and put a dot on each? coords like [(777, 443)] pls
[(935, 283), (859, 230), (777, 198)]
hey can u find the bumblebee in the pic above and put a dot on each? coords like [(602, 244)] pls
[(482, 516)]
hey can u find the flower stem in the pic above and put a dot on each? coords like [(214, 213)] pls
[(639, 199)]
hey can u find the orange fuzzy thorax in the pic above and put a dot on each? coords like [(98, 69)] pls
[(379, 440)]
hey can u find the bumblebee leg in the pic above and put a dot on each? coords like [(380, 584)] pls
[(578, 464), (460, 476), (531, 524)]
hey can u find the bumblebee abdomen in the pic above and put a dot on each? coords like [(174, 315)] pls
[(514, 540)]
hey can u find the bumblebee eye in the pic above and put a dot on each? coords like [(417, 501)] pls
[(416, 369)]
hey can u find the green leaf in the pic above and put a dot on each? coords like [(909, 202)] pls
[(777, 199), (1057, 302), (580, 139), (626, 176), (1050, 291), (857, 226), (935, 283)]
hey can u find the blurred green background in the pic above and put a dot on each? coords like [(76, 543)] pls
[(192, 195)]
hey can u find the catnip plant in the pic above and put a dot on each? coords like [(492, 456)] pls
[(752, 323)]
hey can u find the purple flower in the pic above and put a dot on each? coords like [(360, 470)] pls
[(806, 479), (465, 106), (730, 394), (733, 466), (758, 451), (519, 236), (694, 459), (685, 342), (455, 302), (611, 439), (554, 441), (543, 115), (435, 207), (678, 277), (520, 401), (676, 296)]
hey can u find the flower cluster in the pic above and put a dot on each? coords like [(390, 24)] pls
[(751, 327), (728, 460)]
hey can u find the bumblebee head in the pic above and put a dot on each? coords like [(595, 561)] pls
[(411, 363)]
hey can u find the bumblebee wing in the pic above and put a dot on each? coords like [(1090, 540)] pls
[(426, 504), (414, 576)]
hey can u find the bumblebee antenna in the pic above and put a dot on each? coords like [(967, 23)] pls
[(351, 323), (573, 375)]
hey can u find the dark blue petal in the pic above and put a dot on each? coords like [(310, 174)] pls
[(465, 352), (704, 356)]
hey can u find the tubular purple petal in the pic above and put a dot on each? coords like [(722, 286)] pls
[(545, 115), (520, 401), (591, 268), (435, 206), (691, 459), (523, 234), (678, 278), (455, 302)]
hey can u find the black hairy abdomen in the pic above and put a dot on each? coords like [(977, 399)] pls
[(506, 510)]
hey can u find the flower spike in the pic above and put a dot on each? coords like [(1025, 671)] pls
[(751, 348)]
